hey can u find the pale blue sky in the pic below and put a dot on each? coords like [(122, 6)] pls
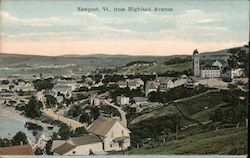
[(208, 25)]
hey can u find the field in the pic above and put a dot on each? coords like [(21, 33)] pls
[(193, 108), (224, 141), (158, 68)]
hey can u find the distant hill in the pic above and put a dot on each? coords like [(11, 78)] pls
[(33, 64)]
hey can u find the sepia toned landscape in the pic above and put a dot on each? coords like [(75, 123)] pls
[(129, 94)]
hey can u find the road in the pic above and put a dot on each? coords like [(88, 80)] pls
[(70, 122), (73, 124), (123, 114)]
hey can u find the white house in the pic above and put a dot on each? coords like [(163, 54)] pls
[(236, 73), (165, 85), (210, 72), (4, 87), (122, 84), (122, 100), (115, 136), (84, 145), (151, 86)]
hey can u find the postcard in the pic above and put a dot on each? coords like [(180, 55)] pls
[(118, 78)]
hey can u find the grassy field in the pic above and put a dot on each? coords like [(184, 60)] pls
[(193, 108), (158, 68), (199, 108), (224, 141)]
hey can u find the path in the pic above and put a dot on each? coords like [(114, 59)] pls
[(70, 122), (123, 114), (51, 114)]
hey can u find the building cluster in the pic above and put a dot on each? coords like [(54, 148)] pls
[(105, 134), (213, 67)]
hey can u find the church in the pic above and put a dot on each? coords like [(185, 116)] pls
[(208, 67)]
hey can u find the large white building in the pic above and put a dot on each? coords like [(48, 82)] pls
[(208, 67), (115, 136), (122, 100)]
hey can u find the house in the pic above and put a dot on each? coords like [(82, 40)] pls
[(190, 83), (84, 145), (41, 139), (179, 82), (112, 84), (17, 150), (4, 87), (155, 105), (140, 100), (122, 84), (134, 83), (63, 89), (94, 99), (165, 85), (151, 86), (115, 136), (59, 99), (122, 100)]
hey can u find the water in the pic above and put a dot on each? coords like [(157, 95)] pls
[(11, 122)]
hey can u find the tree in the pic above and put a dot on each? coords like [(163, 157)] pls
[(238, 59), (39, 151), (5, 142), (32, 109), (50, 100), (19, 138), (85, 118), (95, 112), (5, 81), (80, 131), (64, 132), (48, 148), (43, 84)]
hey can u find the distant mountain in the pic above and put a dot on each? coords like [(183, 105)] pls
[(95, 60)]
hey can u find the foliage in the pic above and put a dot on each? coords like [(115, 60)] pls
[(5, 82), (126, 92), (48, 148), (153, 128), (138, 62), (75, 111), (235, 111), (80, 131), (178, 60), (43, 84), (64, 131), (232, 141), (18, 139), (32, 109), (85, 118), (239, 59), (51, 101), (39, 151), (110, 110), (175, 93)]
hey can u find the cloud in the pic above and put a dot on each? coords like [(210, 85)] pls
[(8, 19), (183, 26)]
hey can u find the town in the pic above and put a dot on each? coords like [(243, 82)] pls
[(131, 110)]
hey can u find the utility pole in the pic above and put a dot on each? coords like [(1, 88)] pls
[(177, 131)]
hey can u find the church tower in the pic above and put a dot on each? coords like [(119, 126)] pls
[(196, 63)]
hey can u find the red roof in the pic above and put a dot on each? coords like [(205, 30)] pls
[(17, 150)]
